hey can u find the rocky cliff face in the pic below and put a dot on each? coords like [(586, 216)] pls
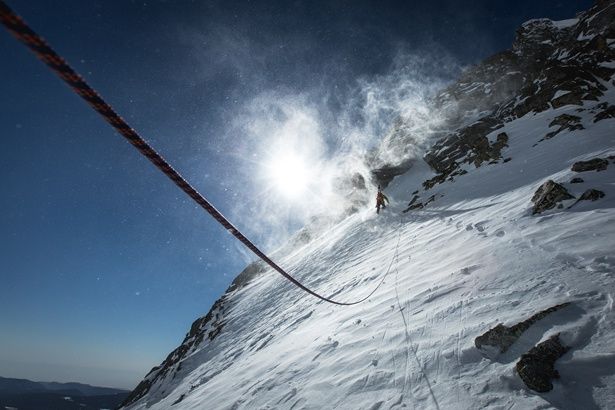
[(204, 330), (551, 64)]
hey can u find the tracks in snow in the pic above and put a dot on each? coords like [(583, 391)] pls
[(409, 345)]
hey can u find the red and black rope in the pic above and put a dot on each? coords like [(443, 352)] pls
[(44, 52)]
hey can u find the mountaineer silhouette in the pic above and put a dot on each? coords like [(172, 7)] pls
[(380, 199)]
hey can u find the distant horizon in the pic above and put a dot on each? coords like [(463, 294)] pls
[(61, 380), (71, 382)]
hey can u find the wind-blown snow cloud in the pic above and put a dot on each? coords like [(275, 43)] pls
[(396, 118), (385, 119), (337, 126)]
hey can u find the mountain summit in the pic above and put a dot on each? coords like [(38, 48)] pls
[(496, 255)]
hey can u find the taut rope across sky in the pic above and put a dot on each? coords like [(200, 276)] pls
[(45, 53)]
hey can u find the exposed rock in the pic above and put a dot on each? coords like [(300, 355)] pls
[(419, 205), (139, 391), (502, 337), (483, 86), (565, 122), (207, 327), (544, 61), (596, 164), (470, 145), (179, 400), (246, 275), (576, 180), (414, 199), (548, 195), (385, 174), (580, 80), (429, 200), (591, 195), (501, 141), (438, 179), (536, 367), (607, 112), (570, 98)]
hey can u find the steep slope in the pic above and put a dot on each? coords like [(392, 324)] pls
[(467, 254), (551, 65)]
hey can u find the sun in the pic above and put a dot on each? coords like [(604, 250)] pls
[(289, 174)]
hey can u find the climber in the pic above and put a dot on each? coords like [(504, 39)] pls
[(380, 198)]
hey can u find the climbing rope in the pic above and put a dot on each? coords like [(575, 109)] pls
[(45, 53)]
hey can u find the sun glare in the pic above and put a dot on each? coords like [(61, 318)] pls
[(289, 174)]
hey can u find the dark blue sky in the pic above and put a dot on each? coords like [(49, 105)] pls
[(104, 262)]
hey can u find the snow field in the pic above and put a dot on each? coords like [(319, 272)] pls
[(472, 259)]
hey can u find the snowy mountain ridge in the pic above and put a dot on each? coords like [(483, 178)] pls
[(460, 250)]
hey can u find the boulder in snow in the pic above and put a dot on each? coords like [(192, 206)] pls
[(536, 367), (502, 337), (591, 195), (548, 195), (596, 164)]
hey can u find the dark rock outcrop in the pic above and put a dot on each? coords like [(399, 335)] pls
[(565, 122), (596, 164), (414, 204), (385, 174), (549, 65), (250, 272), (576, 180), (591, 195), (502, 337), (470, 146), (208, 326), (608, 111), (548, 195), (536, 367)]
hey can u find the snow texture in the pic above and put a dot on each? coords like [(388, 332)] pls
[(473, 258), (562, 24)]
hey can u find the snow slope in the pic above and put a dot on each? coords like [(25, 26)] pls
[(473, 258), (476, 258)]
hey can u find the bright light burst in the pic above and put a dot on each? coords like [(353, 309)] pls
[(288, 173)]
